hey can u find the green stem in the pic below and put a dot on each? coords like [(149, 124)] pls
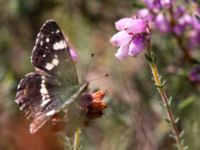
[(77, 139), (167, 107)]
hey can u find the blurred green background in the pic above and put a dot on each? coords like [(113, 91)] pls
[(134, 119)]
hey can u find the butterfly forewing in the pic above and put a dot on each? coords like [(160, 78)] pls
[(42, 93), (51, 54)]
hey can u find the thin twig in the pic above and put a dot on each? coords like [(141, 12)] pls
[(167, 107), (76, 144)]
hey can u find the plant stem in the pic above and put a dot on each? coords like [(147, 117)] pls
[(77, 139), (167, 107)]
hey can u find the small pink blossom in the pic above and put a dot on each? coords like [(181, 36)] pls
[(120, 24), (121, 38), (131, 38), (162, 23), (136, 46), (136, 26), (73, 53), (122, 52), (145, 13), (166, 3), (131, 25)]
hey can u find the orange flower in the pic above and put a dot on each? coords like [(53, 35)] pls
[(90, 107), (93, 104)]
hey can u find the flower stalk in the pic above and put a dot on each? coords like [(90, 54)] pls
[(76, 143), (165, 99)]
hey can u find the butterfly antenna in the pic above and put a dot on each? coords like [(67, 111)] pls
[(100, 77), (90, 62)]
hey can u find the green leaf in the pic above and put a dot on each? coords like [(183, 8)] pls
[(182, 134), (187, 102), (151, 57)]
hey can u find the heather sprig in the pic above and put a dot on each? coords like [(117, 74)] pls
[(166, 102), (132, 36), (128, 32)]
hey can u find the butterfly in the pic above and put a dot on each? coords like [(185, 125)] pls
[(54, 84)]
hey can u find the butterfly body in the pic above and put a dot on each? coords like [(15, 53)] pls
[(54, 84)]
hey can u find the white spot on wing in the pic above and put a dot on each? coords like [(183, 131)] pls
[(43, 79), (43, 89), (44, 55), (47, 40), (41, 43), (34, 48), (45, 97), (19, 85), (44, 102), (17, 101), (59, 45), (44, 93), (50, 113), (49, 66), (55, 61), (37, 40), (28, 74)]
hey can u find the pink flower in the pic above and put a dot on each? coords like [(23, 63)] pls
[(166, 3), (162, 23), (131, 25), (120, 24), (122, 52), (131, 38), (121, 38), (137, 45), (145, 13), (73, 53)]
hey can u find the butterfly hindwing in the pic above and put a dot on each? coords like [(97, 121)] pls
[(51, 54), (36, 95)]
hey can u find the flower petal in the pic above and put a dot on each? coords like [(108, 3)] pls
[(137, 45), (179, 29), (145, 13), (166, 3), (136, 26), (73, 53), (162, 23), (120, 24), (121, 38), (122, 52)]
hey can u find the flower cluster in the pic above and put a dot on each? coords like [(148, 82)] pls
[(131, 38), (170, 17)]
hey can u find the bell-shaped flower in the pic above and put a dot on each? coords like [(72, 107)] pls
[(121, 38), (131, 38), (136, 46)]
